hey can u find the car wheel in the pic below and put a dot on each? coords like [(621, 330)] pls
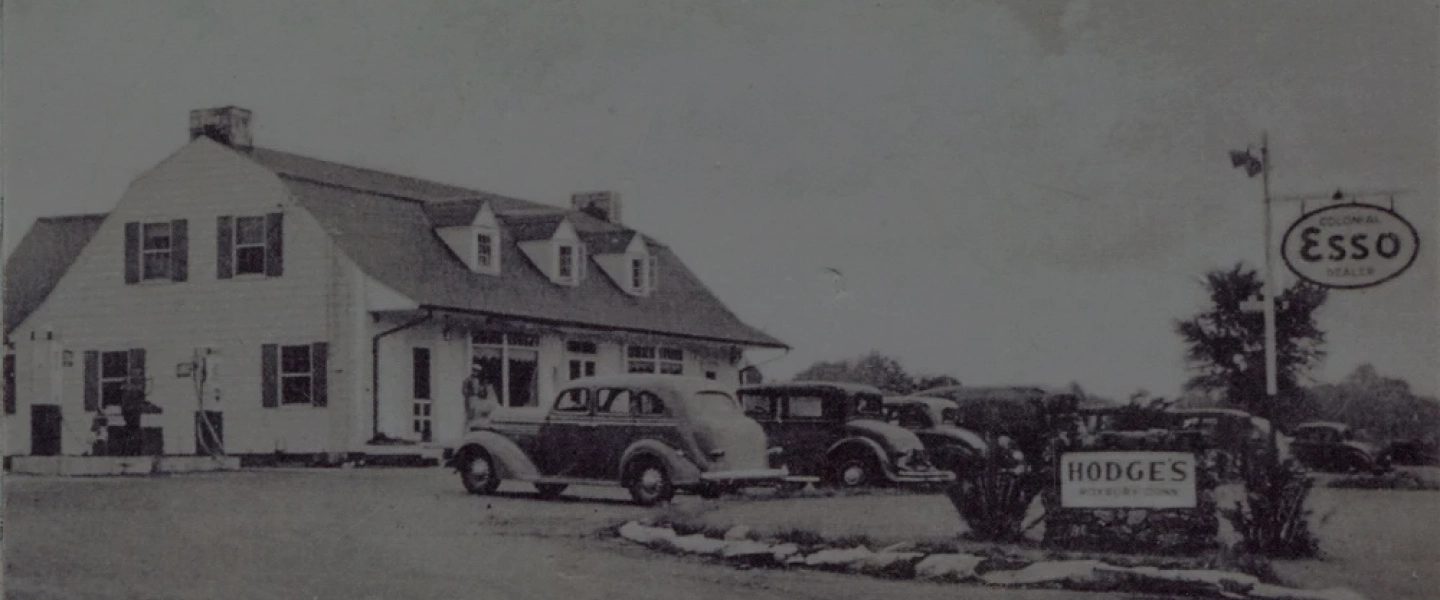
[(853, 472), (550, 491), (477, 473), (649, 483)]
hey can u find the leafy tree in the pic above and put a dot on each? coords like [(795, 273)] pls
[(872, 368), (1225, 345), (1377, 407)]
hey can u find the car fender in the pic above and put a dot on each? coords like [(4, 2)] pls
[(682, 470), (510, 461), (863, 445)]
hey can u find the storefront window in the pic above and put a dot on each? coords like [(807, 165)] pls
[(509, 364)]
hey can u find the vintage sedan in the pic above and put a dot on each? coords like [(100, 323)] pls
[(837, 432), (1324, 446), (652, 434), (951, 447), (1026, 414)]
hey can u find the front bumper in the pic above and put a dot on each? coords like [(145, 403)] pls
[(921, 477), (755, 477)]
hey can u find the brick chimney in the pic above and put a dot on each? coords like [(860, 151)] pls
[(229, 125), (601, 205)]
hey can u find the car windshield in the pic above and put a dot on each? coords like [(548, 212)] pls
[(715, 405)]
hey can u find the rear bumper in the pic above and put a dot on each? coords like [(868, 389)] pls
[(756, 477)]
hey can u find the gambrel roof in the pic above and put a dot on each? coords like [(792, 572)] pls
[(386, 223)]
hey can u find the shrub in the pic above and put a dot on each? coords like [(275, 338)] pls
[(994, 501), (1272, 520)]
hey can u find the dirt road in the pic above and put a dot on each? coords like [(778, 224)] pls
[(358, 534)]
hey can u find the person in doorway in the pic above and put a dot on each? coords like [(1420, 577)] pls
[(480, 398), (132, 409)]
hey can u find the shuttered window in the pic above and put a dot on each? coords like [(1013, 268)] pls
[(157, 251), (250, 245), (109, 374), (294, 375)]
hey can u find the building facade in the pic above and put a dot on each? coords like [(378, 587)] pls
[(265, 302)]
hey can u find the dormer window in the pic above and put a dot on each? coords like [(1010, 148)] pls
[(642, 275), (637, 274), (485, 251), (569, 263)]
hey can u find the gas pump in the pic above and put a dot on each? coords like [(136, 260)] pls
[(204, 369)]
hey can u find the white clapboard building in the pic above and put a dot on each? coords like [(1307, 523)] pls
[(297, 306)]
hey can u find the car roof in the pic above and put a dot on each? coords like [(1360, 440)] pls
[(1234, 412), (829, 386), (669, 382), (930, 401), (996, 392)]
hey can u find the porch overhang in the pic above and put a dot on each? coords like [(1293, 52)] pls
[(460, 322)]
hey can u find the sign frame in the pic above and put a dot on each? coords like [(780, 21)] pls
[(1289, 235), (1116, 493)]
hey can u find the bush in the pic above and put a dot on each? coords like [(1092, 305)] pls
[(1273, 520), (994, 501)]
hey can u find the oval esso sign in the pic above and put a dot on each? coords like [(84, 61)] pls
[(1350, 246)]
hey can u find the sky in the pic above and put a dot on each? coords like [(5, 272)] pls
[(1018, 192)]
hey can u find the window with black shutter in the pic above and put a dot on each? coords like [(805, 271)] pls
[(250, 245)]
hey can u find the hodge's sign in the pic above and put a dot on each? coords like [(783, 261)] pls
[(1350, 246), (1127, 480)]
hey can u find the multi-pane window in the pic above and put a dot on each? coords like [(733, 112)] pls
[(296, 375), (509, 364), (566, 268), (664, 360), (155, 250), (582, 364), (250, 245), (637, 274), (484, 250), (650, 274), (114, 373)]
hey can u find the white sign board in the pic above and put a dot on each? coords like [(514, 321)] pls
[(1350, 246), (1127, 480)]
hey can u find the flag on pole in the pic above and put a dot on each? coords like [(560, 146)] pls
[(1243, 158)]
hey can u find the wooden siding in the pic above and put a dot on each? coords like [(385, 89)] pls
[(92, 308)]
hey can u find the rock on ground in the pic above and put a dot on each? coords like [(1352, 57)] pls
[(948, 567)]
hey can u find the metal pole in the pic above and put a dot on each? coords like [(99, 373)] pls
[(1271, 294)]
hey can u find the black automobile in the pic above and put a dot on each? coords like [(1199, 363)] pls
[(951, 447), (1324, 446), (837, 432)]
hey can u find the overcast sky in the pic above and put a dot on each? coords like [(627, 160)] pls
[(1018, 192)]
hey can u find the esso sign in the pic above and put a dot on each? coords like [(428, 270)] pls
[(1350, 246)]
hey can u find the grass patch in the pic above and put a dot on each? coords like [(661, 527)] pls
[(1396, 480)]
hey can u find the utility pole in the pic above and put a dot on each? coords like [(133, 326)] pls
[(1269, 293), (1272, 387)]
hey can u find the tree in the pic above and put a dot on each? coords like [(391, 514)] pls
[(872, 368), (1377, 407), (930, 382), (1225, 345)]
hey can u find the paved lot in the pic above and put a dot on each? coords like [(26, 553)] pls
[(358, 534)]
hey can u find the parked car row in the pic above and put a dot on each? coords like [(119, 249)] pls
[(656, 435)]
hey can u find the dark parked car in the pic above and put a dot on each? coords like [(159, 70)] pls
[(951, 447), (838, 432), (1323, 446), (1025, 414), (653, 434)]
